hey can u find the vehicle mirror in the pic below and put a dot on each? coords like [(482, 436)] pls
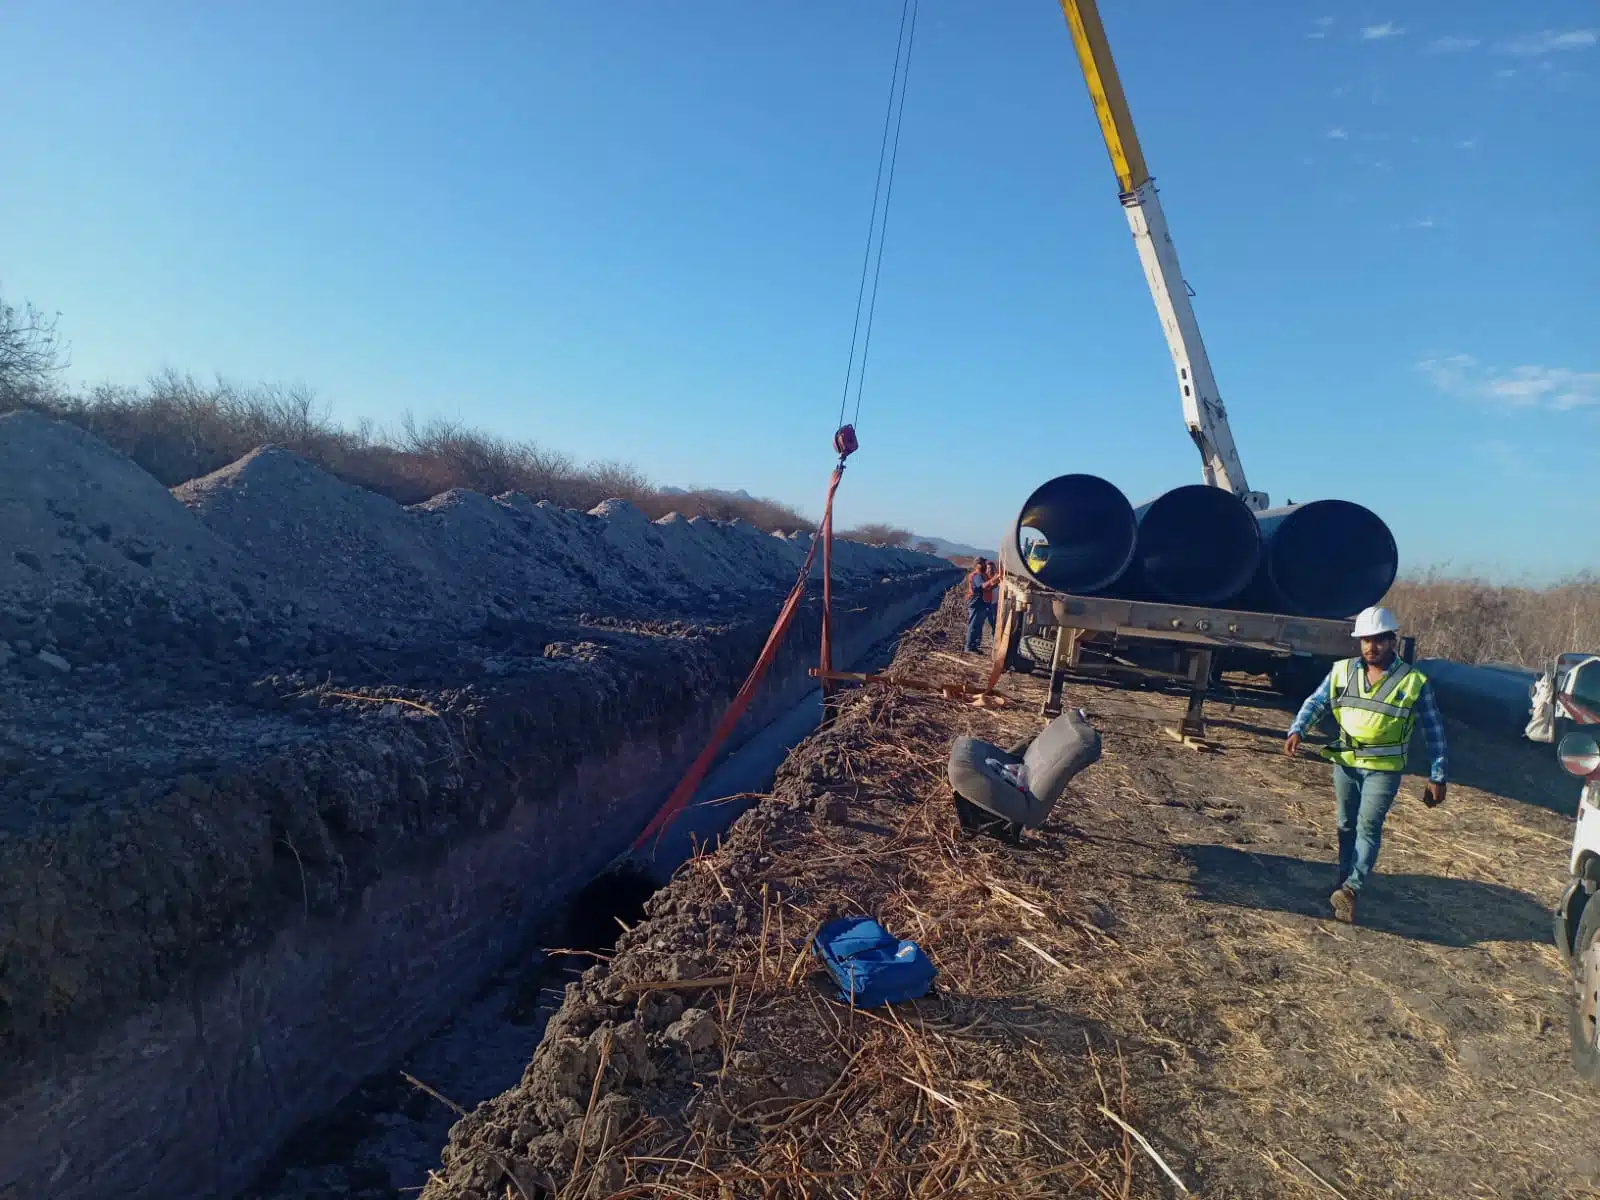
[(1579, 754)]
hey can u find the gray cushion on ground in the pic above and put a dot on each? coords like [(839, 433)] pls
[(1065, 747)]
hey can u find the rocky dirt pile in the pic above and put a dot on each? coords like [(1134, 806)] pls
[(461, 560), (99, 561), (240, 701)]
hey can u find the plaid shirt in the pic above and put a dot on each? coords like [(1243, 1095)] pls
[(1432, 721)]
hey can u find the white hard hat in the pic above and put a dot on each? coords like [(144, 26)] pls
[(1375, 621)]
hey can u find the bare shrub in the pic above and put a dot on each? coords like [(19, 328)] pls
[(180, 429), (31, 351), (1474, 621), (878, 534), (456, 456)]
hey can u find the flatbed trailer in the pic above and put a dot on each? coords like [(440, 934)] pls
[(1111, 636)]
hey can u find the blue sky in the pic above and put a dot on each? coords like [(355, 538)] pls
[(633, 231)]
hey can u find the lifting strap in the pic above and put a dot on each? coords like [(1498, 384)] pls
[(845, 443)]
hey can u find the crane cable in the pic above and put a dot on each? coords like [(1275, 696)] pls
[(844, 444), (877, 225)]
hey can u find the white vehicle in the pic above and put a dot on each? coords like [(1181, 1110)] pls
[(1577, 918), (1577, 689)]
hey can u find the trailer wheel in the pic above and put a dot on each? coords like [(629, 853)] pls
[(1297, 677), (1585, 1020), (1037, 649)]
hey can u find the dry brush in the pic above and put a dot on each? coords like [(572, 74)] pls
[(1472, 620)]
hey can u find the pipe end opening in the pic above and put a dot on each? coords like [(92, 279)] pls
[(1076, 533), (1333, 558), (1198, 545)]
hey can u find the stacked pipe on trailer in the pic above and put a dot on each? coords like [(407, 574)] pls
[(1089, 528), (1197, 545), (1200, 545), (1328, 558)]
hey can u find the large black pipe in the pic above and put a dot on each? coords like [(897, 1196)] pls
[(1089, 528), (1490, 697), (1328, 558), (1197, 545)]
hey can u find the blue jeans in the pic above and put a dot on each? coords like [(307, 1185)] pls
[(978, 614), (1363, 799)]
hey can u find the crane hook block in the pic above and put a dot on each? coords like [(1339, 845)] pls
[(844, 441)]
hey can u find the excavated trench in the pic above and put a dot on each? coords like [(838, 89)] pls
[(380, 1142), (337, 946), (292, 777)]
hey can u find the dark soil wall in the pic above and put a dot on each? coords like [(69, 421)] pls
[(188, 970)]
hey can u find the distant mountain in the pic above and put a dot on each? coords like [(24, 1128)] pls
[(948, 549), (741, 494), (942, 546)]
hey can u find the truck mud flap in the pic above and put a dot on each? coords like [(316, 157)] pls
[(1568, 912)]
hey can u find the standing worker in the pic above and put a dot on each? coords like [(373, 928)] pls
[(980, 601), (1376, 700)]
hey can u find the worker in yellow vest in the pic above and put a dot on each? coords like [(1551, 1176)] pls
[(1376, 699)]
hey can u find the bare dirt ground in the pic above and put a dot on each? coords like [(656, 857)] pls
[(1157, 959), (163, 654), (235, 714)]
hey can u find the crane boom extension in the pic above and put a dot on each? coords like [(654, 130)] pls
[(1203, 413)]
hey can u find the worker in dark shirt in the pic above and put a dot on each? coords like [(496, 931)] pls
[(981, 582)]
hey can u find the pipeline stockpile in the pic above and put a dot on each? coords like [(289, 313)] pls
[(1201, 545)]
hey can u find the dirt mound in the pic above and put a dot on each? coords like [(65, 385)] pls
[(150, 637), (462, 560), (362, 552), (97, 558)]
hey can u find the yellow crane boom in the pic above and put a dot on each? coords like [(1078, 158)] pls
[(1203, 411)]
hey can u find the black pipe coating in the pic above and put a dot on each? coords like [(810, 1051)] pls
[(1327, 558), (1088, 527), (1197, 544)]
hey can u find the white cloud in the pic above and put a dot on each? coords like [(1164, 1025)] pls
[(1374, 33), (1338, 135), (1505, 72), (1323, 22), (1452, 45), (1467, 144), (1549, 41), (1423, 223), (1559, 389)]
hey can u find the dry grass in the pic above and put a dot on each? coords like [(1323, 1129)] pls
[(1151, 975), (943, 1097), (1471, 620), (178, 429), (966, 1093)]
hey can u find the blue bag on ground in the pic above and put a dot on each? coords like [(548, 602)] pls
[(871, 965)]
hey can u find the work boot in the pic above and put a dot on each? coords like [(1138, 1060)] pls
[(1344, 905)]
